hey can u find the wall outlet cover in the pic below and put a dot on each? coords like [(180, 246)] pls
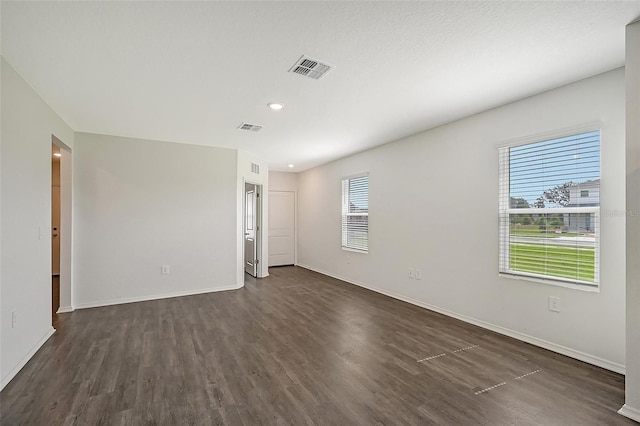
[(554, 304)]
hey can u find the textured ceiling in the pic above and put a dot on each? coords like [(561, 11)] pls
[(193, 71)]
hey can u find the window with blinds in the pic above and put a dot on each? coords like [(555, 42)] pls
[(355, 213), (549, 209)]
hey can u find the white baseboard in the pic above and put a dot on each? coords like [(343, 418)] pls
[(6, 379), (65, 309), (572, 353), (632, 413), (97, 304)]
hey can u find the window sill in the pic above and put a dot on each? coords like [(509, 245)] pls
[(355, 250), (595, 288)]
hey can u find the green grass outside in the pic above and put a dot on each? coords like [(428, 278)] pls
[(576, 263)]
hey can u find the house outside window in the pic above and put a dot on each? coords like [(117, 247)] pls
[(549, 210), (355, 213)]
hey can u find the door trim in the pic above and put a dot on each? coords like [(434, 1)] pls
[(66, 226), (258, 223)]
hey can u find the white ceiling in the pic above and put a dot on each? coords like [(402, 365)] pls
[(193, 72)]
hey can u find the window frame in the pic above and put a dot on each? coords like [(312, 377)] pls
[(345, 213), (505, 212)]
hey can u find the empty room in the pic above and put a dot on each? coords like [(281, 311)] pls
[(320, 213)]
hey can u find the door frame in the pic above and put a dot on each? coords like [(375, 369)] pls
[(259, 227), (66, 225)]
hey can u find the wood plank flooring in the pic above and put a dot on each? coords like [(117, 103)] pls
[(298, 348)]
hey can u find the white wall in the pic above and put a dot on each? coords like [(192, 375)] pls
[(283, 181), (632, 404), (262, 178), (434, 206), (140, 204), (25, 242)]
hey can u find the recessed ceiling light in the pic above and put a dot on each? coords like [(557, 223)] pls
[(291, 166), (57, 154), (275, 106)]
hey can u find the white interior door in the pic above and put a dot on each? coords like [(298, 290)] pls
[(250, 229), (281, 228)]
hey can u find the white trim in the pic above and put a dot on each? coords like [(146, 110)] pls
[(155, 297), (563, 350), (630, 412), (504, 250), (6, 379), (544, 279), (65, 309)]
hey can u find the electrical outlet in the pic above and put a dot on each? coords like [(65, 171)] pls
[(164, 270), (554, 304), (418, 274), (411, 273), (348, 259), (14, 319)]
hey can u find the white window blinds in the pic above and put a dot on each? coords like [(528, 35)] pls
[(355, 213), (549, 209)]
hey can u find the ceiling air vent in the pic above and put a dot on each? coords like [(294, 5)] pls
[(250, 127), (310, 67)]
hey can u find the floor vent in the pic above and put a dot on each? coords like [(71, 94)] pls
[(250, 127), (310, 67)]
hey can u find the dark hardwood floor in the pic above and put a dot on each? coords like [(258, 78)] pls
[(293, 349)]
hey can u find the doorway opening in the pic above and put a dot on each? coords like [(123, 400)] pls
[(252, 228), (61, 185), (55, 230)]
